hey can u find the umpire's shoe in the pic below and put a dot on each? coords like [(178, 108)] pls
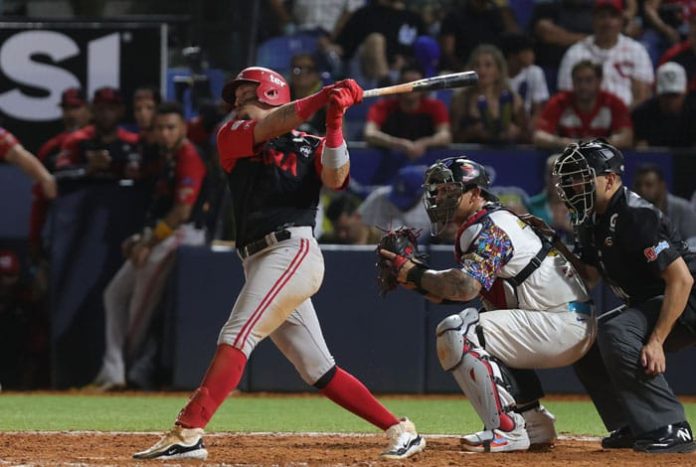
[(621, 438), (670, 438), (404, 441), (179, 443)]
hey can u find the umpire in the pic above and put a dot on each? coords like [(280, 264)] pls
[(636, 251)]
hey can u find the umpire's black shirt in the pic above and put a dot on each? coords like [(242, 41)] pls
[(631, 244)]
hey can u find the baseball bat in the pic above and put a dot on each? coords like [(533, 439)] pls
[(451, 81)]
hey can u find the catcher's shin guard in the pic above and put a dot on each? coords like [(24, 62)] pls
[(476, 373)]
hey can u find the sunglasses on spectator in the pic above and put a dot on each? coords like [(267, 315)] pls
[(300, 69)]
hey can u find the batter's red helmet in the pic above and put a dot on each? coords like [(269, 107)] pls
[(272, 90)]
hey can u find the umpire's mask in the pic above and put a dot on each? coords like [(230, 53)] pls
[(445, 182), (577, 169)]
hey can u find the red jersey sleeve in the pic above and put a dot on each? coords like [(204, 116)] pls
[(438, 111), (377, 113), (235, 139), (190, 172), (7, 142), (550, 116)]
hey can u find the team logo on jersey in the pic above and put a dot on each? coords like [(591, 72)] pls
[(651, 253), (612, 222), (306, 151), (609, 241)]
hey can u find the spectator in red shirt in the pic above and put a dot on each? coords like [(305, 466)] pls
[(584, 112), (410, 123), (132, 296), (103, 150), (76, 115)]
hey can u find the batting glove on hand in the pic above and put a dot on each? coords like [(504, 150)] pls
[(345, 93)]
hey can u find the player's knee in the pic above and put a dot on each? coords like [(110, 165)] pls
[(453, 333)]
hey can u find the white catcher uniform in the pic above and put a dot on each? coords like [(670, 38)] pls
[(545, 321)]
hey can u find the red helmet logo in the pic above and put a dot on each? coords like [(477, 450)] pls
[(272, 88)]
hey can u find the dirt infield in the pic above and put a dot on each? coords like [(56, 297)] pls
[(94, 448)]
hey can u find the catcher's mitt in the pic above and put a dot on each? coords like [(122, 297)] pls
[(403, 242)]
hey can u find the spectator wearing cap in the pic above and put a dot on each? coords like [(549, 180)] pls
[(410, 123), (669, 119), (526, 78), (626, 66), (584, 112), (75, 115), (399, 204), (684, 53), (103, 150)]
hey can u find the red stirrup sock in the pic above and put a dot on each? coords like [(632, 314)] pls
[(345, 390), (222, 377)]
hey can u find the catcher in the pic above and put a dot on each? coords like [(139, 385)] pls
[(540, 314)]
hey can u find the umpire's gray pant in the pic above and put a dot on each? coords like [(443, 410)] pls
[(615, 379)]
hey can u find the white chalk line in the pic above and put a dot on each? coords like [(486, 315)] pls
[(278, 434)]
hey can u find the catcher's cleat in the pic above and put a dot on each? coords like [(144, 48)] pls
[(179, 443), (404, 442), (497, 440), (539, 423)]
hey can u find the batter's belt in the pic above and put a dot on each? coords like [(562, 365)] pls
[(263, 243)]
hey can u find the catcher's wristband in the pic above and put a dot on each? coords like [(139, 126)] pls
[(162, 230), (415, 275)]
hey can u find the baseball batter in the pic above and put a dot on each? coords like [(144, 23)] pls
[(540, 315), (132, 296), (275, 174)]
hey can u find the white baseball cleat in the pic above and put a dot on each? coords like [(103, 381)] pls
[(497, 440), (404, 441), (540, 425), (179, 443)]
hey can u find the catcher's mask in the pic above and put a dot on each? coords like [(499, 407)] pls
[(577, 169), (445, 183)]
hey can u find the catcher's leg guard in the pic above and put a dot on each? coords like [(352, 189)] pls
[(478, 375)]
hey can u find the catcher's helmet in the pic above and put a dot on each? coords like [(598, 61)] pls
[(272, 88), (577, 169), (445, 182)]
